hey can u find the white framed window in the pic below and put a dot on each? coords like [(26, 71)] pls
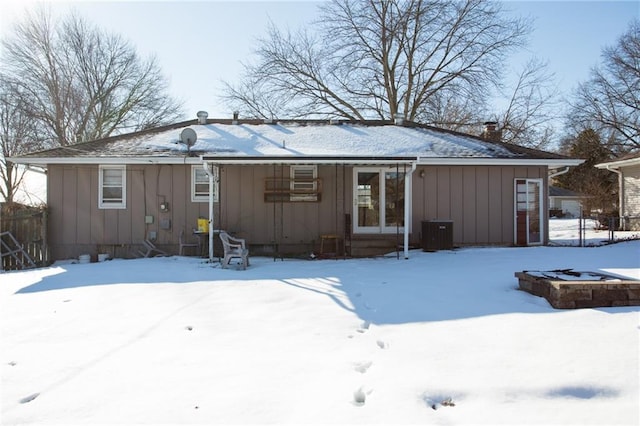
[(200, 184), (304, 183), (112, 187)]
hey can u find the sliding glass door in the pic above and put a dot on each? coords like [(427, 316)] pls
[(378, 200)]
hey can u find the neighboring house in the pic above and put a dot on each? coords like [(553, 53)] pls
[(564, 202), (628, 170), (283, 185)]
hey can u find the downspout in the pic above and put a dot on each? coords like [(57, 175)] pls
[(561, 172), (211, 175), (552, 175), (408, 202)]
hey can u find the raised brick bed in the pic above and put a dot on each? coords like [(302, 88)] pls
[(568, 289)]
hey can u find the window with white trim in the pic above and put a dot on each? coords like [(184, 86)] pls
[(304, 183), (200, 185), (112, 187)]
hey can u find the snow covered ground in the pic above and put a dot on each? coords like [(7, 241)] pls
[(441, 338)]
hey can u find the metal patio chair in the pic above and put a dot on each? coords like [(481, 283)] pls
[(150, 250), (184, 244)]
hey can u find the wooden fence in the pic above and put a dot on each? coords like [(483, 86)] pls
[(28, 225)]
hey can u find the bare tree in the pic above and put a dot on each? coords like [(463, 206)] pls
[(81, 83), (18, 135), (610, 99), (528, 119), (379, 58)]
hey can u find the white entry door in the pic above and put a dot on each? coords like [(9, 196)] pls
[(378, 200), (529, 220)]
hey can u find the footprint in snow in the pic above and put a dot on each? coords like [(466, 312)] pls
[(364, 327), (29, 398), (362, 367), (382, 345), (360, 396)]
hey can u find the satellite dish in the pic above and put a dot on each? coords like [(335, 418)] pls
[(188, 136)]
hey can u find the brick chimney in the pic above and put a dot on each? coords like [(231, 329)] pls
[(491, 131)]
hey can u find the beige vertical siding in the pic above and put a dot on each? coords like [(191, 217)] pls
[(478, 199), (293, 226), (78, 226)]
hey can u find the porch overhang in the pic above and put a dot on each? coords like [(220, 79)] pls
[(322, 160), (351, 160)]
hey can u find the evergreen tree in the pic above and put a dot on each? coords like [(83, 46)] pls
[(597, 187)]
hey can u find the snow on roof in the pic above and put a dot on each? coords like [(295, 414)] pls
[(291, 139), (298, 139)]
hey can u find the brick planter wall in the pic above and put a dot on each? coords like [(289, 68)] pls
[(596, 290)]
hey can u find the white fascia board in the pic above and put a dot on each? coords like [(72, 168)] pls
[(618, 164), (240, 160), (551, 163), (43, 161)]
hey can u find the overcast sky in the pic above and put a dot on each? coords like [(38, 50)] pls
[(199, 44)]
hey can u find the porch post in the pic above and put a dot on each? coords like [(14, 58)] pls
[(211, 173), (408, 202)]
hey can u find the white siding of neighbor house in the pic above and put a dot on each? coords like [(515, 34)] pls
[(631, 197), (571, 207)]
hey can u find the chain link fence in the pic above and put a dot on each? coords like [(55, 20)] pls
[(594, 230)]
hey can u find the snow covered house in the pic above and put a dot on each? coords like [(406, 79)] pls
[(295, 187), (628, 170)]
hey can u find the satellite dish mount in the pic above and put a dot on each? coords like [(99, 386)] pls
[(188, 137)]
